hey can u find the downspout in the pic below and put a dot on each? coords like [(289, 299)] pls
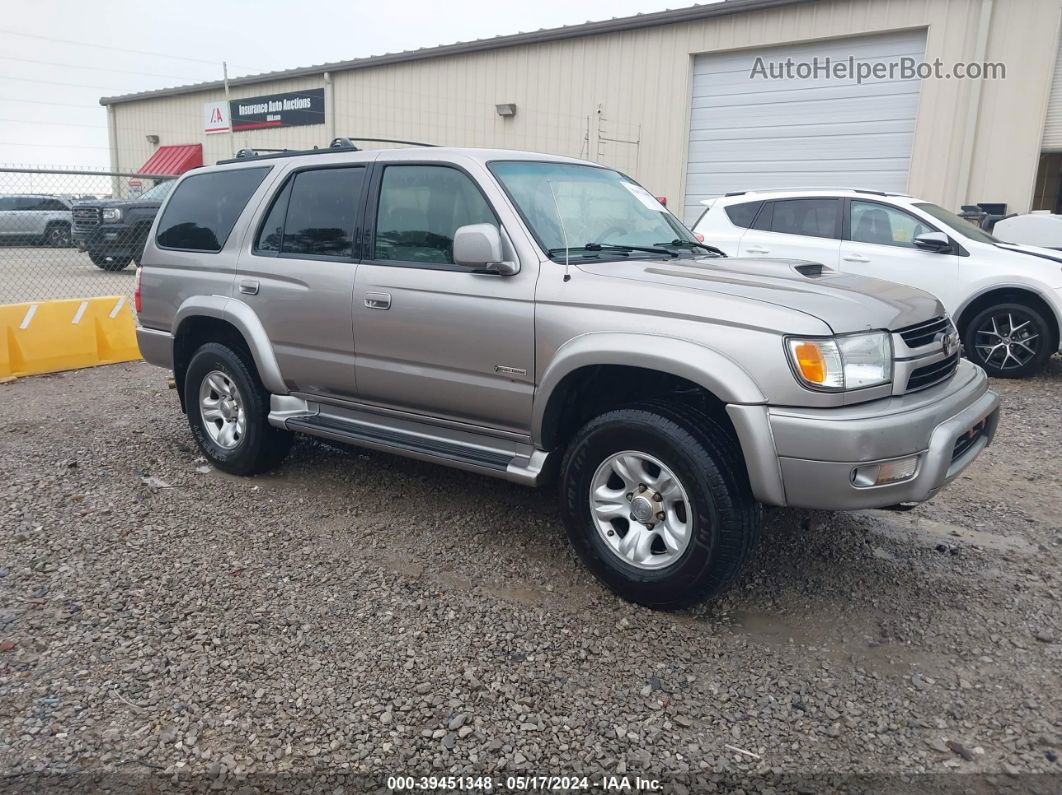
[(112, 141), (973, 109), (330, 108)]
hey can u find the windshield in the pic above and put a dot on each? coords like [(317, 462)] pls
[(583, 211), (158, 193), (957, 224)]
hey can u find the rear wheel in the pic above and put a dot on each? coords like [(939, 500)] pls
[(657, 504), (228, 411), (109, 262), (1010, 340)]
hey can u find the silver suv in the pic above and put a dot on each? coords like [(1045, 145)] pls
[(35, 218), (533, 317)]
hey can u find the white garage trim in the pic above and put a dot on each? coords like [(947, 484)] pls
[(748, 133)]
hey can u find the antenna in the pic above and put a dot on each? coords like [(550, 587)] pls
[(564, 233)]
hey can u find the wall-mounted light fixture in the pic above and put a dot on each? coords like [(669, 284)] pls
[(152, 139), (506, 109)]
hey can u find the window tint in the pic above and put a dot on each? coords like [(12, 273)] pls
[(884, 225), (204, 208), (320, 208), (743, 214), (765, 218), (813, 217), (420, 208), (7, 203), (52, 205), (271, 234)]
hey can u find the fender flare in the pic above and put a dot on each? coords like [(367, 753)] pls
[(247, 323), (695, 362), (1023, 286)]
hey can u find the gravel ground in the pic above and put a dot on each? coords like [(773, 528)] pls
[(357, 613)]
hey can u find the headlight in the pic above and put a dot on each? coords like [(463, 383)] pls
[(853, 361), (112, 214)]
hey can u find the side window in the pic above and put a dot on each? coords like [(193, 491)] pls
[(7, 203), (204, 208), (811, 217), (28, 203), (743, 214), (764, 218), (419, 210), (53, 205), (320, 211), (887, 226), (271, 234)]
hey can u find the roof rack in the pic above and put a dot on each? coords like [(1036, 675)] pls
[(816, 187), (342, 144)]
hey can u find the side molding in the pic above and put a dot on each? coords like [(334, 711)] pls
[(708, 368)]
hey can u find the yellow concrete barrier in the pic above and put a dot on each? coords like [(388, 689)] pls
[(48, 336)]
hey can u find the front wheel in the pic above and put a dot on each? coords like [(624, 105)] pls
[(228, 411), (657, 504), (1009, 340), (109, 262), (57, 236)]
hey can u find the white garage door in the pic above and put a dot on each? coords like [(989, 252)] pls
[(748, 133)]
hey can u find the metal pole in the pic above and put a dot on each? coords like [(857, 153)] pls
[(228, 108)]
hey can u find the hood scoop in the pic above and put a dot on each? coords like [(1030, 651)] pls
[(810, 269)]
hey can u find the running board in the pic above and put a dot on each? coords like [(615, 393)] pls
[(410, 438)]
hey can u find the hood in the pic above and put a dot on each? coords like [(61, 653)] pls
[(123, 203), (844, 302)]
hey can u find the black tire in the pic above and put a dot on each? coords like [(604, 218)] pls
[(992, 327), (262, 446), (704, 455), (57, 236), (109, 262)]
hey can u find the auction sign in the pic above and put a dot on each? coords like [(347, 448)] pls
[(292, 109)]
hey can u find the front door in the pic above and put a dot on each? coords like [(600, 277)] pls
[(298, 277), (879, 242), (433, 337)]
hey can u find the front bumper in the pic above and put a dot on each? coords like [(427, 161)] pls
[(114, 239), (807, 458)]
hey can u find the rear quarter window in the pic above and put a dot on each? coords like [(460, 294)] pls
[(204, 208), (743, 214)]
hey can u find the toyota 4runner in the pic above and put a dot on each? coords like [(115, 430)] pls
[(529, 316)]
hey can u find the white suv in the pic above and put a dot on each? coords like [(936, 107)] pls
[(1006, 299)]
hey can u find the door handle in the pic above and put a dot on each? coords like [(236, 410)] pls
[(249, 286), (378, 300), (757, 250), (855, 258)]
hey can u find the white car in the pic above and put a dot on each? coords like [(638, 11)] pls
[(1006, 300)]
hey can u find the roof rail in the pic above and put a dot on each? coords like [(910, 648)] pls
[(813, 188), (341, 144)]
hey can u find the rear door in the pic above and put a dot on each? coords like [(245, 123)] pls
[(805, 228), (879, 242), (8, 216), (298, 276)]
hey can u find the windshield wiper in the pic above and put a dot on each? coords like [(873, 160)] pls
[(617, 248), (694, 244)]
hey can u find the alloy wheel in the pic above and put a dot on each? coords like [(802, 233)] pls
[(222, 409), (1007, 340), (641, 510)]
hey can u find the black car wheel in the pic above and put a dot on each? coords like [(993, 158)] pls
[(1009, 340), (657, 503), (109, 262)]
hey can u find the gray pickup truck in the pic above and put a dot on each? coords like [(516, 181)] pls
[(540, 318)]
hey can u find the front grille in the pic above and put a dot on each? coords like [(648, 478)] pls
[(924, 333), (86, 218), (969, 439), (925, 377)]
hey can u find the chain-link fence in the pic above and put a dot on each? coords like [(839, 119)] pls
[(73, 234)]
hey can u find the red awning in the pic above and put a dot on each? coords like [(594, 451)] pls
[(172, 161)]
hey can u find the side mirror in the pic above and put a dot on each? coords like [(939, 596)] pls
[(933, 241), (479, 246)]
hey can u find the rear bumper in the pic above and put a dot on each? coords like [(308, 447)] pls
[(155, 346), (807, 457)]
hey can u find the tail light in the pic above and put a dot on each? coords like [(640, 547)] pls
[(699, 236), (136, 288)]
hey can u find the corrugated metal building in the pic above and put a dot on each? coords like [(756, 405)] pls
[(677, 99)]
